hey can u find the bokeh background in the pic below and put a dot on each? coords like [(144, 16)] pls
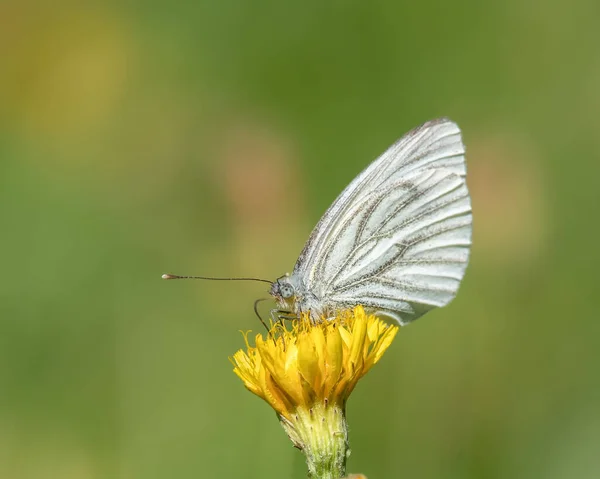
[(208, 138)]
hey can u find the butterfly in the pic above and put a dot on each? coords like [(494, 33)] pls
[(396, 240)]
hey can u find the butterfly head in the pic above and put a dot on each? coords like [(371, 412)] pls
[(284, 292)]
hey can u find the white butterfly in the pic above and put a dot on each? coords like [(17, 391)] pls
[(396, 240)]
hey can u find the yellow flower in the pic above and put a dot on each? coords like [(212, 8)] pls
[(307, 372)]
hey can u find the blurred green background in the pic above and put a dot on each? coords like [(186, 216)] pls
[(208, 138)]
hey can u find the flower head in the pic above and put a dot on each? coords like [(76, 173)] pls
[(312, 363), (307, 371)]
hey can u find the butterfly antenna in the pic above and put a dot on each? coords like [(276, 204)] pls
[(175, 276)]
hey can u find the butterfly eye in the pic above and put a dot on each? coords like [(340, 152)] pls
[(287, 290)]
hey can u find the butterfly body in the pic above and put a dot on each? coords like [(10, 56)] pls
[(396, 240), (291, 295)]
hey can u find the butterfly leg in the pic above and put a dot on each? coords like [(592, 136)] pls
[(279, 315), (258, 314), (276, 315)]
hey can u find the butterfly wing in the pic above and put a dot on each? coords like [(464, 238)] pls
[(397, 238)]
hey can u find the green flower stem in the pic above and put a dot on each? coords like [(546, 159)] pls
[(321, 433)]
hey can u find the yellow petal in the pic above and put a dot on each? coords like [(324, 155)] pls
[(334, 361)]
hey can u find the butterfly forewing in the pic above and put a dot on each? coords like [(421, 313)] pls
[(397, 238)]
